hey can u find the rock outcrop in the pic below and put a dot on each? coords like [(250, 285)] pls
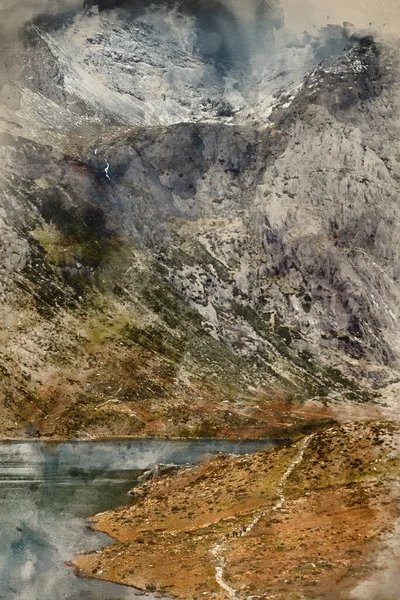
[(159, 470)]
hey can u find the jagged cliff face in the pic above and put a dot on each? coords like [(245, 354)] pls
[(195, 240)]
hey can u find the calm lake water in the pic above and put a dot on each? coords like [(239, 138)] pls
[(47, 493)]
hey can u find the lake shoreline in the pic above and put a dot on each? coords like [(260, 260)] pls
[(48, 491)]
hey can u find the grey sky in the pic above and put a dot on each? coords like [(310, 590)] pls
[(383, 14)]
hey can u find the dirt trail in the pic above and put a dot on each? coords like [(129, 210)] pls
[(218, 549)]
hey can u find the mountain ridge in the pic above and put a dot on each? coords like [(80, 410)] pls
[(247, 276)]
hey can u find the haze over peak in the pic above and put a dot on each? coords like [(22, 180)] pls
[(381, 15)]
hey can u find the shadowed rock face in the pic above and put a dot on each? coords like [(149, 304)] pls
[(181, 234)]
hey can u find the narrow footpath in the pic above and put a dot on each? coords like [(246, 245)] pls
[(218, 550)]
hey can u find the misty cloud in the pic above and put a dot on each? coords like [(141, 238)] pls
[(382, 16), (385, 583)]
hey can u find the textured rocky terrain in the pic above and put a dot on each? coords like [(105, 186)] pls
[(196, 240)]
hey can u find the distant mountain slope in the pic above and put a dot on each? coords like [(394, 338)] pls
[(189, 249)]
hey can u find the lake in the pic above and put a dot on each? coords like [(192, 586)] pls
[(47, 493)]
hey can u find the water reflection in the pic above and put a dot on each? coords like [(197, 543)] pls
[(43, 525)]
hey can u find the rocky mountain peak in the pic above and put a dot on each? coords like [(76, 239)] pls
[(193, 228)]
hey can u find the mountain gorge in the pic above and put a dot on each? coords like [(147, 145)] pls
[(199, 230), (199, 238)]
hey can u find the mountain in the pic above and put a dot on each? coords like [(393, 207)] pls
[(199, 226)]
